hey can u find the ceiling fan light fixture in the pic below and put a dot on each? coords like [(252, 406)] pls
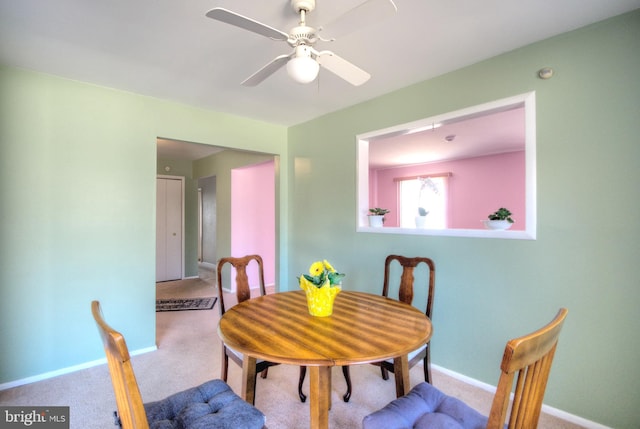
[(302, 68), (304, 63)]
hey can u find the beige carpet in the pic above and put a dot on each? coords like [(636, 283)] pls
[(189, 354)]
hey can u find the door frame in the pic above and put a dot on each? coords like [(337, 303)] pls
[(182, 226)]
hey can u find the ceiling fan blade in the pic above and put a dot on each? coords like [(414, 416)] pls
[(224, 15), (342, 68), (371, 11), (266, 71)]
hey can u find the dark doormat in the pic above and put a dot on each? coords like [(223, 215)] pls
[(185, 304)]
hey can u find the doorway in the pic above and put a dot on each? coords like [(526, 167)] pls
[(207, 224), (193, 162)]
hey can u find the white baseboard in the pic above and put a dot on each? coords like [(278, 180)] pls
[(70, 369), (572, 418)]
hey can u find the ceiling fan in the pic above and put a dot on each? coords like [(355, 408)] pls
[(304, 62)]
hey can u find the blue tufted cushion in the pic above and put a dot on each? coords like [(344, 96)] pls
[(425, 407), (210, 405)]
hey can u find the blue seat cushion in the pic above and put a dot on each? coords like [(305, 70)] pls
[(210, 405), (425, 407)]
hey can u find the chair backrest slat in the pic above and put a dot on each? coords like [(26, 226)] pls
[(243, 290), (528, 360), (407, 279), (128, 399)]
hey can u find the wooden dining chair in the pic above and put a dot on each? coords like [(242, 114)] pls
[(406, 291), (527, 361), (243, 293), (212, 404), (405, 294)]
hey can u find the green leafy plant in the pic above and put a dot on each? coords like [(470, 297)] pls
[(422, 211), (377, 211), (321, 273), (501, 214)]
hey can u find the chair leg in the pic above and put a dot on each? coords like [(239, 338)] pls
[(303, 373), (384, 372), (264, 372), (224, 364), (427, 365), (347, 378)]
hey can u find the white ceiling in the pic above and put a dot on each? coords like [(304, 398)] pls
[(486, 134), (168, 49)]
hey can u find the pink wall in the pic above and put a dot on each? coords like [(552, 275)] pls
[(253, 217), (477, 187)]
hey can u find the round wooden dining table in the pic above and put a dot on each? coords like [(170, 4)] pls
[(363, 328)]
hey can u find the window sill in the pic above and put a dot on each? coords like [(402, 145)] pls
[(480, 233)]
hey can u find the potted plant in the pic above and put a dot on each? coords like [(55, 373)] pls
[(500, 219), (422, 217), (376, 217), (321, 285)]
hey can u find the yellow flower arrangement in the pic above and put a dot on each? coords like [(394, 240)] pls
[(321, 285)]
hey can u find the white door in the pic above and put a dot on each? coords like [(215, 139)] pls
[(168, 229)]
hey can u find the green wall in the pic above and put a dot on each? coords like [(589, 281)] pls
[(77, 187), (490, 290)]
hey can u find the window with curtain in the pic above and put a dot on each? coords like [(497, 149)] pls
[(428, 192)]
